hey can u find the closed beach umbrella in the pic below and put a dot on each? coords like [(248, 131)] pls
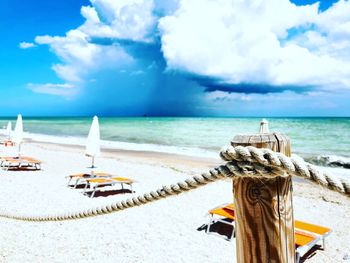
[(93, 141), (18, 133), (9, 130)]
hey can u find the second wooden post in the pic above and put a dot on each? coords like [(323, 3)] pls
[(264, 207)]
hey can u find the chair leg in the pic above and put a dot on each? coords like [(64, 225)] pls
[(86, 186), (93, 192), (324, 243), (209, 224), (233, 232), (76, 183)]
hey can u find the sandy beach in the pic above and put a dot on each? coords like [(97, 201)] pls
[(199, 117), (169, 230)]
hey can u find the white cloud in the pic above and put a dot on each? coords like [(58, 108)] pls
[(248, 42), (80, 57), (90, 14), (71, 48), (241, 41), (65, 90), (124, 19), (132, 20), (25, 45), (224, 96)]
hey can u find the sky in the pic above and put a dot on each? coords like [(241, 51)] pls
[(175, 58)]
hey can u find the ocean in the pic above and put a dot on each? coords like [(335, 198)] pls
[(323, 141)]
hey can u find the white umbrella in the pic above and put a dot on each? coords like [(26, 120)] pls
[(93, 141), (9, 130), (18, 133)]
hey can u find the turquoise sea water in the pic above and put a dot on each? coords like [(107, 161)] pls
[(309, 136)]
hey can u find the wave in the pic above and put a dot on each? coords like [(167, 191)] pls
[(119, 145), (333, 161), (330, 161)]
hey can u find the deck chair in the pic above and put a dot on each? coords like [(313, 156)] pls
[(95, 184), (7, 143), (320, 231), (80, 178), (224, 214), (304, 242), (23, 162), (306, 235)]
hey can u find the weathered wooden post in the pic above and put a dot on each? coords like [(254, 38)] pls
[(263, 206)]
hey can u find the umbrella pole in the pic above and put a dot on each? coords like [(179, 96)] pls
[(19, 150), (93, 162)]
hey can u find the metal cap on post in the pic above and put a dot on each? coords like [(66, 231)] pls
[(264, 126), (263, 206)]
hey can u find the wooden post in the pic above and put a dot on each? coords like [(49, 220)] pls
[(264, 207)]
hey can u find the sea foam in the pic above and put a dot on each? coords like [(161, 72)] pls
[(118, 145)]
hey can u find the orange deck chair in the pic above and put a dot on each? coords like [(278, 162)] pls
[(306, 235), (80, 178), (20, 163), (98, 183)]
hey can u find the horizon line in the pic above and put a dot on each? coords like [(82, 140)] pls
[(169, 116)]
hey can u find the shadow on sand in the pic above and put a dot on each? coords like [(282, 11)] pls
[(218, 228), (109, 192)]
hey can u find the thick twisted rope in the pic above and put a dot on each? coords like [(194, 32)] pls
[(242, 161), (231, 169), (279, 161)]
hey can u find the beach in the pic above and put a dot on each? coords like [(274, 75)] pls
[(171, 229), (179, 131)]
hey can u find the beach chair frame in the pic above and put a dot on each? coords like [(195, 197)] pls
[(21, 162), (316, 233), (81, 178), (91, 186), (214, 218), (302, 250)]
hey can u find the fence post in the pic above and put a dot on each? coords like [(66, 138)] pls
[(264, 221)]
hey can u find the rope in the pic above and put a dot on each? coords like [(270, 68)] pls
[(241, 161), (294, 166)]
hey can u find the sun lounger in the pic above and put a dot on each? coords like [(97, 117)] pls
[(321, 231), (224, 214), (17, 163), (7, 143), (80, 178), (304, 242), (94, 184), (306, 235)]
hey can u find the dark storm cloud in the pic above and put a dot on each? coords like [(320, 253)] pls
[(248, 88)]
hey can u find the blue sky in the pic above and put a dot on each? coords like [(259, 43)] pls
[(175, 58)]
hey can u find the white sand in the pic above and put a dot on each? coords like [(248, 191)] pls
[(163, 231)]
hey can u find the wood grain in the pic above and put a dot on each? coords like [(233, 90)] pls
[(264, 219), (264, 208), (275, 141)]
